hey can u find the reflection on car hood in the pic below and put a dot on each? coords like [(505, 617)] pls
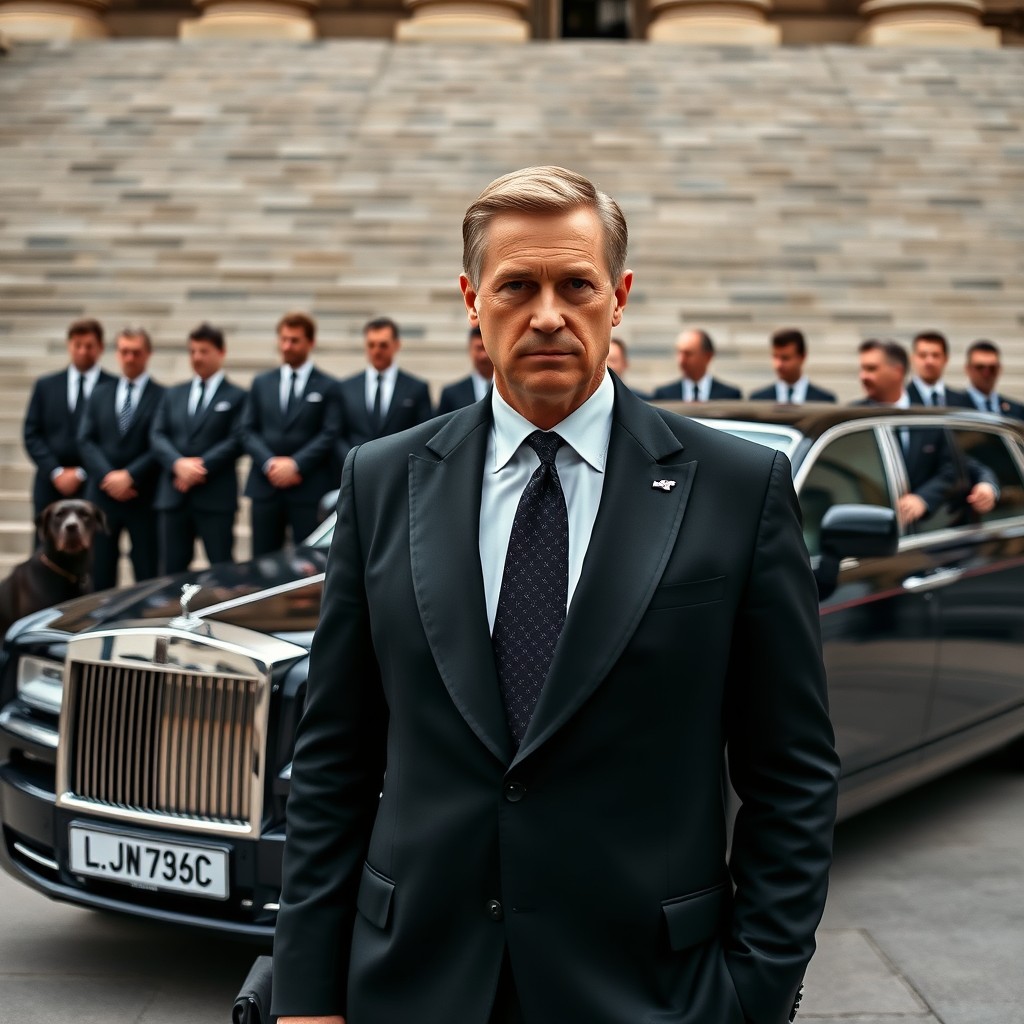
[(277, 594)]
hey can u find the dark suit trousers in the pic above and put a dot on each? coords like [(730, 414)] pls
[(179, 528), (140, 523), (271, 519)]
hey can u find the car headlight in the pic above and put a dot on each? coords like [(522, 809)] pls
[(41, 683)]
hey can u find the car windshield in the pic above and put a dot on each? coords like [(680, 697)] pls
[(771, 435)]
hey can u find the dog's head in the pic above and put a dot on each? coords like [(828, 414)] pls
[(69, 526)]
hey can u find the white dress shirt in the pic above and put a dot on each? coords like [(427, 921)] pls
[(983, 401), (387, 388), (481, 385), (89, 379), (301, 380), (929, 392), (212, 384), (703, 387), (799, 392), (138, 386), (509, 464)]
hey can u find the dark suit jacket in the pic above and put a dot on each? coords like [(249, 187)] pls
[(213, 435), (456, 396), (1007, 407), (410, 405), (308, 435), (954, 399), (814, 394), (597, 851), (50, 432), (719, 389), (104, 448)]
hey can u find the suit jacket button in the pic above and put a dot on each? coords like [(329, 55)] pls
[(514, 791), (494, 910)]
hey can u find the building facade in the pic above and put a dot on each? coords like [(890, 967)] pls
[(982, 24)]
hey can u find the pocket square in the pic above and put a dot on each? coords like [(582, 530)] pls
[(314, 396), (222, 407)]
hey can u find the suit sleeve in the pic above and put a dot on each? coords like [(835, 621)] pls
[(251, 430), (782, 763), (322, 446), (96, 463), (160, 436), (337, 774), (34, 433)]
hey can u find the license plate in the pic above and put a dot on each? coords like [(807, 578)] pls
[(150, 863)]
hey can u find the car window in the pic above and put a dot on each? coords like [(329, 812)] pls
[(988, 449), (935, 476), (849, 470)]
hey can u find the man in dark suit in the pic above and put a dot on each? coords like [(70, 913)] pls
[(506, 796), (197, 442), (382, 399), (474, 387), (694, 352), (789, 352), (290, 427), (929, 355), (983, 367), (54, 413), (931, 469), (120, 461)]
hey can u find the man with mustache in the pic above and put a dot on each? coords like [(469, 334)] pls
[(507, 808)]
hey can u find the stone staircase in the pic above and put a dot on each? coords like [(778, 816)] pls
[(848, 191)]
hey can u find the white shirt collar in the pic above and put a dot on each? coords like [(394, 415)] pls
[(138, 385), (903, 402), (799, 390), (925, 390), (980, 399), (390, 375), (301, 373), (212, 383), (587, 430)]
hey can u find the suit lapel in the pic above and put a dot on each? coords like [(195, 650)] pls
[(634, 534), (444, 527), (197, 421)]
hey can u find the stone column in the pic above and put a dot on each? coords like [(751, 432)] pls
[(465, 21), (730, 22), (52, 20), (252, 19), (955, 23)]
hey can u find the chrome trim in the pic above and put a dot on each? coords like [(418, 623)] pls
[(286, 772), (45, 862), (272, 906), (933, 581), (756, 427), (196, 700), (27, 729), (259, 595)]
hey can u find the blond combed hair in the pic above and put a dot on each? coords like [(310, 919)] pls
[(545, 189)]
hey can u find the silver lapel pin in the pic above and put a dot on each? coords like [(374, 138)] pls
[(664, 485)]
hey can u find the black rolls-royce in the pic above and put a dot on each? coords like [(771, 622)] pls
[(146, 735)]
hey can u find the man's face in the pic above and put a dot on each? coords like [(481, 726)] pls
[(205, 357), (617, 359), (788, 363), (983, 371), (381, 347), (546, 307), (84, 351), (881, 380), (132, 355), (481, 360), (294, 346), (929, 361), (692, 359)]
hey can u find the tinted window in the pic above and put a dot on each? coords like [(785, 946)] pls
[(934, 474), (990, 450), (848, 471)]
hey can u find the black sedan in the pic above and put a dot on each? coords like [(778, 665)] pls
[(146, 739)]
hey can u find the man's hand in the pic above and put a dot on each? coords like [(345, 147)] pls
[(67, 481), (910, 508), (310, 1020), (188, 472), (283, 472), (982, 498), (118, 483)]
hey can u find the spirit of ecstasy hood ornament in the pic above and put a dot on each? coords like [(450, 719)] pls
[(187, 619)]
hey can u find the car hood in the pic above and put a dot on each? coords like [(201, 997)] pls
[(278, 594)]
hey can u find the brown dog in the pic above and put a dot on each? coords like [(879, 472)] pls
[(59, 569)]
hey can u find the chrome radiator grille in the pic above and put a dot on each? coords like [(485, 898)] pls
[(172, 743)]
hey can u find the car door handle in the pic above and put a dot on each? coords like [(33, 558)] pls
[(934, 580)]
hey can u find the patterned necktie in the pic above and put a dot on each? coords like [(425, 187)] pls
[(199, 401), (377, 398), (534, 588), (124, 417)]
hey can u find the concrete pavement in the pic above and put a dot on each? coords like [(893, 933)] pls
[(925, 925)]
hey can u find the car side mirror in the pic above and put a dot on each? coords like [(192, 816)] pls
[(853, 531)]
